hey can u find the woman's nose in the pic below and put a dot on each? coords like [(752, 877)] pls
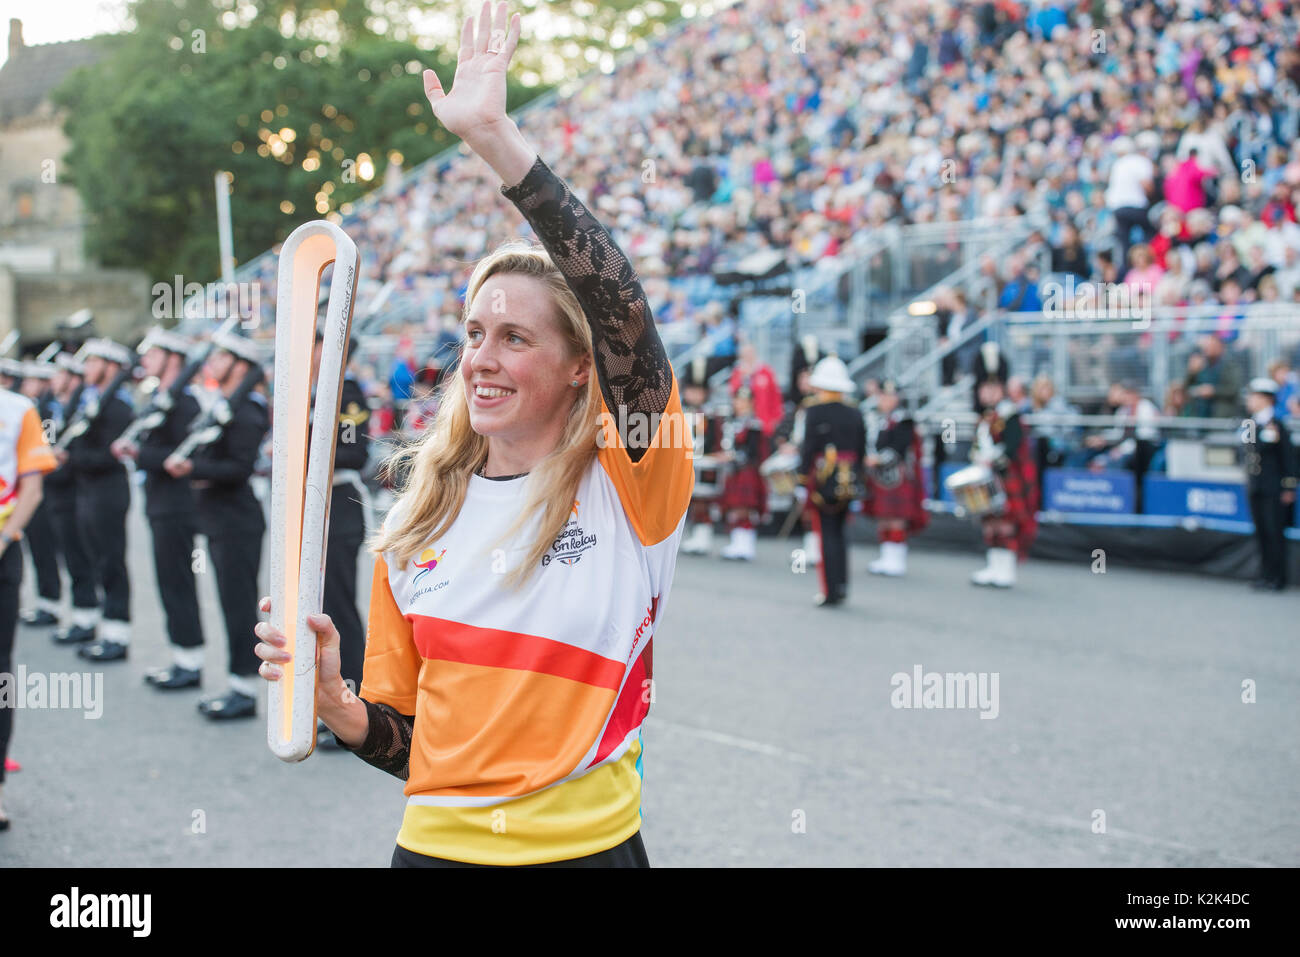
[(482, 357)]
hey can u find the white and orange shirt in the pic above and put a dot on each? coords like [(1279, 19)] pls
[(528, 703), (23, 449)]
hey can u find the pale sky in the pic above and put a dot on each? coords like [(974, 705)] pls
[(49, 21)]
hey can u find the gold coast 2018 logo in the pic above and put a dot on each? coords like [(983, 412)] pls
[(570, 543), (428, 561)]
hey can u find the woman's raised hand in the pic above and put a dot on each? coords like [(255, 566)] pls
[(477, 101)]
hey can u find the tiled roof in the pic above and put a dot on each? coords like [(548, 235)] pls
[(33, 72)]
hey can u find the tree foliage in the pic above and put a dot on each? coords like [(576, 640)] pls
[(290, 97)]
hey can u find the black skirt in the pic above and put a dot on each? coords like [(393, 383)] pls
[(631, 853)]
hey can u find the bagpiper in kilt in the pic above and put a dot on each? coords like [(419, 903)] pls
[(706, 431), (895, 486), (744, 495), (1003, 444)]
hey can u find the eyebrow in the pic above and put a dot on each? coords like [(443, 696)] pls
[(505, 325)]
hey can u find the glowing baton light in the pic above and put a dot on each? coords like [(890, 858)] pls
[(301, 477)]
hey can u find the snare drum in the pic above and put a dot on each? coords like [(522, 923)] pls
[(781, 472), (977, 491), (710, 477)]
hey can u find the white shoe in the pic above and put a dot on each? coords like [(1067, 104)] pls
[(700, 541), (743, 545), (892, 560), (1000, 572), (1006, 568), (812, 548)]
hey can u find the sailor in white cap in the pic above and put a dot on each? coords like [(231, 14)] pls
[(1271, 478), (11, 374), (169, 502), (104, 489), (61, 498), (229, 514), (831, 455), (40, 536)]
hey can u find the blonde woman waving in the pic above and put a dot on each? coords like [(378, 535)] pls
[(523, 572)]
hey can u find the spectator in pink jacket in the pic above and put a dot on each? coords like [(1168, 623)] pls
[(761, 380), (1185, 186)]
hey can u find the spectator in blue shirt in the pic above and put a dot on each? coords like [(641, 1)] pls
[(1020, 294)]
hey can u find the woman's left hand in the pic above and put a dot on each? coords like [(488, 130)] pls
[(477, 101)]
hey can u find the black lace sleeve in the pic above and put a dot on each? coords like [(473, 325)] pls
[(631, 363), (388, 740)]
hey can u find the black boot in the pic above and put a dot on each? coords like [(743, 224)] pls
[(74, 635), (174, 677), (40, 618), (325, 738), (103, 651), (228, 706)]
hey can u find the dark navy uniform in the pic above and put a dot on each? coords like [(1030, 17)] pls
[(834, 441), (1271, 471), (41, 537), (60, 495), (231, 518), (169, 505), (347, 529), (103, 498)]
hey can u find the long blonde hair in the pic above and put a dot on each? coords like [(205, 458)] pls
[(442, 461)]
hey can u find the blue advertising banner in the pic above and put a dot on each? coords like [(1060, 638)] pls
[(1223, 500), (944, 471), (1109, 492)]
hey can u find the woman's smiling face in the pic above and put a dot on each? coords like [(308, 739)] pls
[(517, 363)]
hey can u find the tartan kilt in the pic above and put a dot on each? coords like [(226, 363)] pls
[(1020, 483), (744, 490), (904, 500)]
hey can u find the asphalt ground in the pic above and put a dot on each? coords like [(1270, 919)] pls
[(1121, 736)]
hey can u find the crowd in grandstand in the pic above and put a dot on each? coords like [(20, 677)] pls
[(1159, 140)]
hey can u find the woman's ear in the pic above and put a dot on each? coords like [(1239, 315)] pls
[(581, 372)]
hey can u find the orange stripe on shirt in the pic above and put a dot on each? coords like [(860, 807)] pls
[(391, 672), (487, 731), (443, 640)]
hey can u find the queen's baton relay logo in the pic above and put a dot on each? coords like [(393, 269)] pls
[(428, 561), (571, 543)]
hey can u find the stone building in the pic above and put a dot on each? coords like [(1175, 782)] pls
[(44, 273)]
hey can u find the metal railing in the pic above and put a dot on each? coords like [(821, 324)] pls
[(882, 271), (1085, 356), (912, 339), (966, 420)]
